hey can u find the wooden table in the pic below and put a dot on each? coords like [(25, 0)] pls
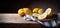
[(12, 20)]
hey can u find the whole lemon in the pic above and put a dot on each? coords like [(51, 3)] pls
[(40, 11), (35, 10), (27, 11), (21, 12)]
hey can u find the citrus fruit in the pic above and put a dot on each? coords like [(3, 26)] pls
[(20, 12), (42, 16), (40, 11), (27, 11), (49, 12), (35, 10)]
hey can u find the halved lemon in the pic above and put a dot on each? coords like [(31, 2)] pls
[(40, 11), (49, 12), (27, 11), (35, 10), (20, 12), (35, 15), (42, 16)]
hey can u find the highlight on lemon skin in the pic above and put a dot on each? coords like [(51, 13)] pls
[(35, 10), (21, 12), (40, 11), (27, 11)]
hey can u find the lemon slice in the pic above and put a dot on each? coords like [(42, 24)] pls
[(49, 12), (20, 12), (40, 11), (35, 10), (27, 11), (42, 16)]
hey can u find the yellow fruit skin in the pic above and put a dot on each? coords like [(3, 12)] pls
[(35, 10), (27, 11), (40, 11), (21, 12)]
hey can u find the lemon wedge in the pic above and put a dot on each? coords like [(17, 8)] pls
[(20, 12)]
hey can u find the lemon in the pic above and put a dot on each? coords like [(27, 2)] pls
[(40, 11), (35, 10), (49, 12), (42, 16), (35, 15), (27, 11), (20, 12)]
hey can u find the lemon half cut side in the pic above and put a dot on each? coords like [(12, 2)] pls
[(35, 15), (42, 17), (49, 12)]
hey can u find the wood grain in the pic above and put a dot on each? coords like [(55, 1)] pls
[(12, 18)]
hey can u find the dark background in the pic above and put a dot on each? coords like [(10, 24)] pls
[(12, 6)]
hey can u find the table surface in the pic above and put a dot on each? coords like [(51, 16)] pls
[(13, 18)]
